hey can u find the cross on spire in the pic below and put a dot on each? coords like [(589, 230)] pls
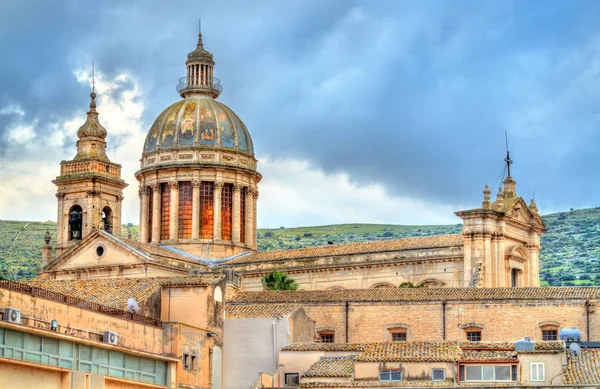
[(507, 159)]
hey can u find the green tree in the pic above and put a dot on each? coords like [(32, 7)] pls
[(410, 285), (278, 281)]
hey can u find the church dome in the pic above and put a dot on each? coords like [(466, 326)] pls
[(198, 122)]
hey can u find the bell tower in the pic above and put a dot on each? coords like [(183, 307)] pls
[(89, 188)]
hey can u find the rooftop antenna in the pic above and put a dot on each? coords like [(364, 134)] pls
[(93, 77), (507, 159)]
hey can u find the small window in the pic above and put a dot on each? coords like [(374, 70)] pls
[(438, 375), (327, 337), (398, 336), (390, 375), (537, 371), (514, 278), (292, 379), (550, 334), (186, 361), (474, 335)]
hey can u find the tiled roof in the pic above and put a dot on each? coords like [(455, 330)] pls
[(418, 294), (260, 311), (488, 356), (411, 352), (375, 384), (114, 292), (583, 369), (334, 347), (414, 243), (157, 251), (331, 367)]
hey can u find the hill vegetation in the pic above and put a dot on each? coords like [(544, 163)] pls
[(570, 249)]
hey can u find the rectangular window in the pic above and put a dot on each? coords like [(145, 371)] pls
[(390, 375), (326, 338), (243, 194), (206, 209), (186, 361), (184, 230), (487, 373), (398, 336), (226, 209), (514, 278), (165, 213), (292, 379), (438, 375), (537, 371), (474, 336), (549, 334)]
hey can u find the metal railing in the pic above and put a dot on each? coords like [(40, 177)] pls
[(184, 85), (77, 302)]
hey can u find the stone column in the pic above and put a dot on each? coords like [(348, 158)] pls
[(117, 217), (254, 221), (235, 217), (467, 263), (534, 276), (174, 222), (61, 232), (249, 214), (217, 210), (144, 214), (487, 257), (195, 209), (156, 216)]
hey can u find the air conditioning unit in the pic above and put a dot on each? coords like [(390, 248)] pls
[(110, 337), (12, 315)]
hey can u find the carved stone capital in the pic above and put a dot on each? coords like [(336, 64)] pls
[(219, 185), (174, 184), (253, 192), (155, 187), (196, 183), (60, 195), (93, 193), (237, 187)]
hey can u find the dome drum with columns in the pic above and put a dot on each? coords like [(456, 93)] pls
[(198, 178)]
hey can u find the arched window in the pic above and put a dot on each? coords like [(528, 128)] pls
[(75, 223), (107, 219), (326, 334), (474, 332), (184, 230), (383, 285), (206, 209), (226, 209), (165, 211), (397, 332), (549, 330)]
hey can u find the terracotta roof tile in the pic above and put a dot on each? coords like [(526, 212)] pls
[(331, 367), (583, 369), (411, 352), (114, 292), (158, 251), (488, 356), (414, 243), (375, 384), (340, 347), (260, 311), (417, 294)]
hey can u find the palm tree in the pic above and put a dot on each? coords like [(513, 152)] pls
[(278, 281)]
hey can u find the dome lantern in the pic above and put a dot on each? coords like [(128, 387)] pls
[(199, 79)]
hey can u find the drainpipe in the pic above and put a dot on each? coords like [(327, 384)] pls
[(347, 321), (587, 320), (444, 320)]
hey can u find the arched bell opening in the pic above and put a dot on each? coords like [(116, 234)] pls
[(75, 223), (107, 219)]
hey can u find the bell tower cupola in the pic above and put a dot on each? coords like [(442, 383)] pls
[(89, 187)]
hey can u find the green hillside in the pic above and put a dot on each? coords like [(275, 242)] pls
[(570, 249)]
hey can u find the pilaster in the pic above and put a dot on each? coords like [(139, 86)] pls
[(156, 216), (235, 210), (195, 209), (249, 215), (144, 213), (217, 210), (61, 240), (173, 222), (254, 222)]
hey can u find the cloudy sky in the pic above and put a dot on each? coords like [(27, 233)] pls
[(360, 111)]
